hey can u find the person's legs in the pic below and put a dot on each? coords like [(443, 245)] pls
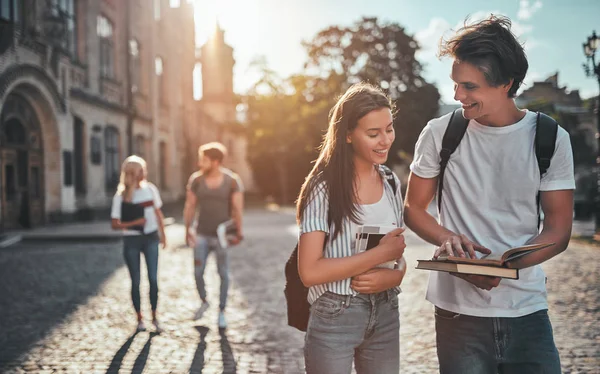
[(336, 327), (465, 344), (131, 253), (132, 247), (151, 254), (380, 350), (200, 257), (223, 269), (531, 347)]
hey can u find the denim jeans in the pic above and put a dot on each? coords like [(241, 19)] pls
[(204, 245), (133, 246), (364, 329), (482, 345)]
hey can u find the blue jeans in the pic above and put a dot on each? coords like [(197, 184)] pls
[(204, 245), (133, 246), (364, 329), (482, 345)]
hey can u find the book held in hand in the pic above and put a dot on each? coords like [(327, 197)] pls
[(492, 265), (131, 212), (368, 237), (226, 231)]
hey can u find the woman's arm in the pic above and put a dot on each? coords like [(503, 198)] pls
[(116, 223), (379, 279), (160, 219), (315, 269)]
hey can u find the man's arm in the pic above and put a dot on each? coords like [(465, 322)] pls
[(189, 210), (237, 202), (558, 221), (419, 194)]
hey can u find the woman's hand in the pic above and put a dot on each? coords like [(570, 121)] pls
[(393, 245), (377, 280)]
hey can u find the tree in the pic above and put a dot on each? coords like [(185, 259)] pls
[(384, 55)]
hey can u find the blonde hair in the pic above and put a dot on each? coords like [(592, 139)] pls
[(127, 184)]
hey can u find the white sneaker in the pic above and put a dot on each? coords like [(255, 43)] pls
[(200, 312), (157, 327), (141, 326), (222, 321)]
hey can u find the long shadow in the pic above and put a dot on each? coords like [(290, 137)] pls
[(43, 283), (229, 364), (140, 361), (198, 361)]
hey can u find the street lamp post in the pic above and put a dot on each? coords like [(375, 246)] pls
[(593, 70)]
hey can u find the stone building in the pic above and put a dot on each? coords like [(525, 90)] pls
[(83, 84)]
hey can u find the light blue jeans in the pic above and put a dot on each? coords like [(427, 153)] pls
[(204, 245), (133, 247), (364, 329), (486, 345)]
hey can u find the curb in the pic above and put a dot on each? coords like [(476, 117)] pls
[(33, 237)]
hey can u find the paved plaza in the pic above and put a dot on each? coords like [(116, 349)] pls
[(65, 308)]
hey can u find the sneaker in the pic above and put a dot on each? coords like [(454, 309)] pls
[(222, 321), (141, 326), (200, 312), (157, 327)]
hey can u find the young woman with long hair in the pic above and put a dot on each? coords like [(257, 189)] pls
[(136, 210), (354, 299)]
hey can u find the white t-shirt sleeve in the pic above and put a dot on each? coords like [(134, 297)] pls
[(426, 161), (560, 174), (155, 196), (115, 211), (314, 217)]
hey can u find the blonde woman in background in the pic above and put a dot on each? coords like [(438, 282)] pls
[(136, 211)]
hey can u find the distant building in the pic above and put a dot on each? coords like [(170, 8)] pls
[(85, 83)]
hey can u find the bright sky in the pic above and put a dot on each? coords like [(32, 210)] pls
[(553, 32)]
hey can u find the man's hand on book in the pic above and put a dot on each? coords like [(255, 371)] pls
[(483, 282), (460, 246)]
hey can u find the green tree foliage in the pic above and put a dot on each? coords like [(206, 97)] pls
[(288, 117), (384, 55)]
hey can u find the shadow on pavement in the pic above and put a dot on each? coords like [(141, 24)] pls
[(140, 361), (41, 284), (198, 361), (229, 364)]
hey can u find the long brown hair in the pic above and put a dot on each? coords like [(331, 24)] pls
[(335, 164)]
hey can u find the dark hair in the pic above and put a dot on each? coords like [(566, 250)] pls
[(215, 151), (335, 164), (492, 48)]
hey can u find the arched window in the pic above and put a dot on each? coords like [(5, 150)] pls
[(14, 132)]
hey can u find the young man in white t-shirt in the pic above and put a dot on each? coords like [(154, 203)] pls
[(485, 324)]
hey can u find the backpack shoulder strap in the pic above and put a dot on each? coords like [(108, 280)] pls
[(454, 133), (546, 129), (389, 177)]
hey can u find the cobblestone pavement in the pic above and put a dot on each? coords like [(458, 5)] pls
[(65, 308)]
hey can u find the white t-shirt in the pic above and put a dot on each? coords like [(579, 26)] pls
[(380, 213), (490, 188), (147, 192)]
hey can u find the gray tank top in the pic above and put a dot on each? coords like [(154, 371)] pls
[(214, 204)]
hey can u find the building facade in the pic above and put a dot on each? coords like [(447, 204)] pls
[(83, 84)]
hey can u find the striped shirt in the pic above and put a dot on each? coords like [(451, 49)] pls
[(314, 218)]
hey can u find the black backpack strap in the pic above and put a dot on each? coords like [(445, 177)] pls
[(546, 129), (454, 133), (389, 177)]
